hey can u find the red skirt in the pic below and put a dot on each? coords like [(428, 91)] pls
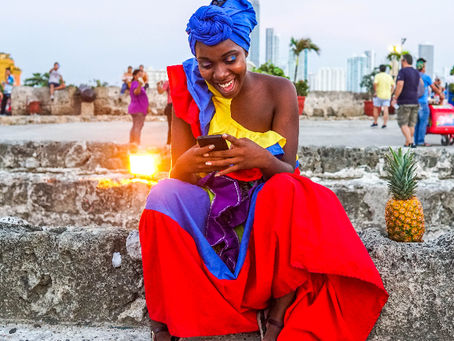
[(301, 240)]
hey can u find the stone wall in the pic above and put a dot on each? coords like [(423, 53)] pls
[(334, 104), (78, 260), (108, 101), (84, 276)]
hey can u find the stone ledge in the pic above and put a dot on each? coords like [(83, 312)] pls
[(57, 119), (66, 275), (45, 332), (89, 156), (323, 162), (103, 198)]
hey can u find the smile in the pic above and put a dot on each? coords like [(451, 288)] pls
[(227, 86)]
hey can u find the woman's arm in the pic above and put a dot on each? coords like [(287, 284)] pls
[(159, 86), (187, 157), (138, 89), (246, 154)]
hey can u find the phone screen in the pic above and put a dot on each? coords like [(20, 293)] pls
[(216, 140)]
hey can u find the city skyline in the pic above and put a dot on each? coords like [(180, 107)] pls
[(97, 40), (272, 52)]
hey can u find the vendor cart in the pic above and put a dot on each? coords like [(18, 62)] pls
[(441, 122)]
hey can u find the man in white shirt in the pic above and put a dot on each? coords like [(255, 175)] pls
[(56, 81)]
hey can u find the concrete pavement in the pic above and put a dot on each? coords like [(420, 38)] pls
[(354, 133)]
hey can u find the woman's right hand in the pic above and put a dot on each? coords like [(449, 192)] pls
[(193, 161)]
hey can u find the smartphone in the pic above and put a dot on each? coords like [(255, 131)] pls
[(217, 140)]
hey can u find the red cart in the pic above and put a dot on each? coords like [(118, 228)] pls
[(441, 122)]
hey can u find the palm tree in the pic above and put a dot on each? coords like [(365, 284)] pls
[(300, 45)]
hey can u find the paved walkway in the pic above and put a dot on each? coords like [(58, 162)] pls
[(354, 133)]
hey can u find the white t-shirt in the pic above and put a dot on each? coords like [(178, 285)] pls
[(54, 77), (450, 79)]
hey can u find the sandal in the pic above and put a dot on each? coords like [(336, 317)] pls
[(159, 329), (264, 321)]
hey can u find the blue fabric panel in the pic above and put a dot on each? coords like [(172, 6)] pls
[(200, 93), (188, 205)]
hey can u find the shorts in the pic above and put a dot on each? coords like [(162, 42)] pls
[(54, 84), (379, 102), (407, 115)]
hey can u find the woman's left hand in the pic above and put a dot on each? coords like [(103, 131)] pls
[(243, 154)]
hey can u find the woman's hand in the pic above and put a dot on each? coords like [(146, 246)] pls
[(243, 154), (194, 161)]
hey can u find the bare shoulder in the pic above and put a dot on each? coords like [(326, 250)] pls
[(277, 87)]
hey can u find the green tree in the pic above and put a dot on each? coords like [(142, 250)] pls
[(300, 45), (99, 83), (451, 86), (396, 55), (368, 81), (37, 80), (270, 69), (302, 88)]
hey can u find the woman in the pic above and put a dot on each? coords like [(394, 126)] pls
[(251, 235), (138, 108)]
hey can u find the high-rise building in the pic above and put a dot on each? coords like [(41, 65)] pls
[(370, 63), (426, 51), (276, 56), (272, 47), (254, 51), (269, 45), (328, 79), (356, 70)]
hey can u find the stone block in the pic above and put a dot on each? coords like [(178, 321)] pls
[(66, 101), (85, 155), (333, 104), (87, 109), (109, 101), (65, 275)]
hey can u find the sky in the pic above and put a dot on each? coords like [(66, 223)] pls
[(98, 39)]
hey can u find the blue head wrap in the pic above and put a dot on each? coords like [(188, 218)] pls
[(234, 20)]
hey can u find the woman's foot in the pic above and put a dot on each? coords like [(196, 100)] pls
[(275, 318), (162, 336), (273, 329), (160, 332)]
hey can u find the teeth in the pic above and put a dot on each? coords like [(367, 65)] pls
[(226, 85)]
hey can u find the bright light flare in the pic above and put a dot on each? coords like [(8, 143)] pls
[(143, 165)]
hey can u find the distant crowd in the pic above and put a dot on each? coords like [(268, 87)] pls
[(411, 95)]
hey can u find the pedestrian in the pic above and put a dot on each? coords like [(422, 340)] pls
[(424, 111), (406, 96), (144, 78), (126, 79), (439, 86), (56, 81), (138, 108), (163, 86), (383, 88), (7, 86)]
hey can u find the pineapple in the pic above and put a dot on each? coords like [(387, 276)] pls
[(403, 213)]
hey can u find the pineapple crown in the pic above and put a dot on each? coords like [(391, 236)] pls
[(401, 174)]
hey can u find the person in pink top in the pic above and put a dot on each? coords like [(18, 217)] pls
[(138, 108), (164, 87)]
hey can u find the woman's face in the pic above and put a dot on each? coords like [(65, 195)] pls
[(223, 66)]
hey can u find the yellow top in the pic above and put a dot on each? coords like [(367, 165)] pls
[(223, 123), (384, 83)]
